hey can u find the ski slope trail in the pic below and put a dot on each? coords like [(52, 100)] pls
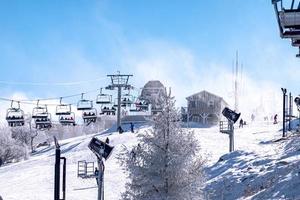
[(33, 179), (231, 177)]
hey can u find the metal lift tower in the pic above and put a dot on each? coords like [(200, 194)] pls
[(119, 81)]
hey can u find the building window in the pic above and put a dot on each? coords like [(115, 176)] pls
[(211, 104), (193, 104)]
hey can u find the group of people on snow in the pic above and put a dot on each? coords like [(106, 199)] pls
[(243, 122), (120, 129)]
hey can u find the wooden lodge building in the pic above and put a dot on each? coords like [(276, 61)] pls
[(205, 107)]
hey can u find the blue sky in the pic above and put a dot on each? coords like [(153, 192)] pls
[(188, 45)]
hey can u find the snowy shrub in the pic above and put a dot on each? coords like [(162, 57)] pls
[(21, 134), (166, 164), (10, 149)]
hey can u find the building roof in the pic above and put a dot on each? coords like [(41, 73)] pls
[(154, 84), (153, 87), (203, 92)]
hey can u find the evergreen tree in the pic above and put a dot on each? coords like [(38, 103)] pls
[(166, 164)]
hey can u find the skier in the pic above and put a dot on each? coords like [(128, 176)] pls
[(252, 117), (120, 129), (132, 127), (133, 154), (107, 141), (241, 123), (96, 174), (275, 119)]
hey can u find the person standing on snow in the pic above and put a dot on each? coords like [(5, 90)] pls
[(241, 123), (275, 119), (96, 174), (252, 117), (132, 127)]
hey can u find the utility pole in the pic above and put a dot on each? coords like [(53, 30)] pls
[(119, 81)]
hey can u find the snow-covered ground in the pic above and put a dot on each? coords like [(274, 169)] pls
[(260, 168)]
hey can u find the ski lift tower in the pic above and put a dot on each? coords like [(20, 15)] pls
[(119, 81)]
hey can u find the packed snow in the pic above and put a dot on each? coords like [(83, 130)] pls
[(261, 167)]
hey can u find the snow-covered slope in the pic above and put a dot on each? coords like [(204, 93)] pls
[(33, 179), (260, 168)]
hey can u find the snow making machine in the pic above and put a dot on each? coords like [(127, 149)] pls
[(228, 127), (88, 170)]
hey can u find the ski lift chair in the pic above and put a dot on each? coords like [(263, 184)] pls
[(89, 116), (63, 109), (43, 123), (84, 104), (103, 98), (108, 110), (127, 99), (115, 104), (15, 116), (67, 119), (156, 110), (39, 112), (288, 19), (142, 105), (296, 42)]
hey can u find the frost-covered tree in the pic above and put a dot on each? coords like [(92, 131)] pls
[(166, 164), (11, 150)]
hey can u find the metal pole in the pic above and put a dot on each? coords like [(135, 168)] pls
[(64, 177), (283, 112), (102, 181), (290, 110), (119, 107), (57, 173), (231, 137), (100, 178)]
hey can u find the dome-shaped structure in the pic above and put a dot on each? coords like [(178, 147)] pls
[(151, 92), (152, 88)]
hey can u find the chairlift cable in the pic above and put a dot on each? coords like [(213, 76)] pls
[(45, 99), (31, 103), (50, 83)]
